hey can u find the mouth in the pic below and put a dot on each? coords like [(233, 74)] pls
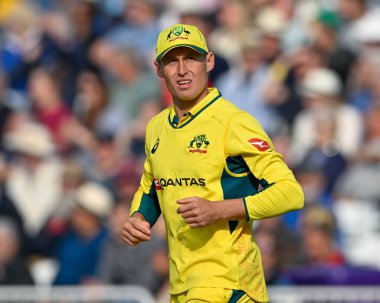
[(184, 83)]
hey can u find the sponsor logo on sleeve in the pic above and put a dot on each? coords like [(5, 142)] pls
[(260, 144)]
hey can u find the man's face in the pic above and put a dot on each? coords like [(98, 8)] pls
[(186, 73)]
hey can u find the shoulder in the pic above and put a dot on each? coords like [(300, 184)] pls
[(158, 119), (225, 108), (229, 112)]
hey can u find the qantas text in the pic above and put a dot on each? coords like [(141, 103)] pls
[(182, 182)]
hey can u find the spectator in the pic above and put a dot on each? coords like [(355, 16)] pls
[(324, 32), (361, 244), (319, 238), (128, 180), (78, 254), (324, 159), (321, 91), (281, 92), (324, 263), (6, 112), (73, 176), (92, 100), (132, 139), (87, 25), (34, 181), (22, 44), (13, 269), (144, 265), (232, 30), (353, 12), (105, 162), (138, 29), (8, 208), (365, 89), (245, 85), (279, 246), (128, 89), (49, 108)]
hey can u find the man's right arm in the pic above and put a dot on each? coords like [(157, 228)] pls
[(145, 209), (136, 230)]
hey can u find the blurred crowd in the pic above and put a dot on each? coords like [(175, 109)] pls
[(77, 88)]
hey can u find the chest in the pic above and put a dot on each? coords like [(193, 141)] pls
[(193, 151)]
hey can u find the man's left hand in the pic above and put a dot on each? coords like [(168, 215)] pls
[(196, 211)]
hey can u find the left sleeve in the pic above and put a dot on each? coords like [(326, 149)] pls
[(145, 200), (281, 192)]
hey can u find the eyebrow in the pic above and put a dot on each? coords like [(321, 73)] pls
[(195, 54)]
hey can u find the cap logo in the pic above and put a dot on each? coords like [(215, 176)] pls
[(177, 31)]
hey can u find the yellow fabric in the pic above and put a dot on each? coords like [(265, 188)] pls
[(245, 299), (7, 7), (208, 295), (203, 295), (180, 35), (190, 160)]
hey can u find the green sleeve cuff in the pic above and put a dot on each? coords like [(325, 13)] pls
[(246, 209)]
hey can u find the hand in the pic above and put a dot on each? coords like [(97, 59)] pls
[(196, 211), (136, 230)]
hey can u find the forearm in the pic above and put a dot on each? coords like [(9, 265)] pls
[(233, 209), (145, 205), (275, 200)]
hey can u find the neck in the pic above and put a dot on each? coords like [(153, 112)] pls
[(181, 107), (89, 231)]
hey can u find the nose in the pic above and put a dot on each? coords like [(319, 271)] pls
[(182, 68)]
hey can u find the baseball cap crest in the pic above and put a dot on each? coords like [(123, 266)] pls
[(180, 35), (178, 30)]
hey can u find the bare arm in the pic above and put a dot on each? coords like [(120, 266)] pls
[(199, 212)]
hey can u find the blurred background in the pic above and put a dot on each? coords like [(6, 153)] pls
[(77, 88)]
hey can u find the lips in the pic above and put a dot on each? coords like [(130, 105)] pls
[(185, 83)]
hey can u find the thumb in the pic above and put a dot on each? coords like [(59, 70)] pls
[(146, 226)]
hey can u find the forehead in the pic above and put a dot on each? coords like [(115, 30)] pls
[(181, 51)]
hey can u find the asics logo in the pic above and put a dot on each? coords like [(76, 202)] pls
[(155, 146)]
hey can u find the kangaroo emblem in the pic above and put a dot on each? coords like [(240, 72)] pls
[(199, 141)]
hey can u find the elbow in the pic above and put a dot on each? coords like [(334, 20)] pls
[(297, 197)]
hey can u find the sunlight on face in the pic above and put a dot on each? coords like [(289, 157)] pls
[(186, 73)]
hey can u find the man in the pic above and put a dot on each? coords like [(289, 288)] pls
[(206, 159)]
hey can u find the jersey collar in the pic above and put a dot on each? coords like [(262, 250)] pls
[(210, 98)]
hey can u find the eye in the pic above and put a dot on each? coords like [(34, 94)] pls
[(170, 61), (191, 59)]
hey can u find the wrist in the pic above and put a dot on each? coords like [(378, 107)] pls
[(138, 216), (233, 209)]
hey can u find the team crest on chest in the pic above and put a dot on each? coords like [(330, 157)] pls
[(198, 144)]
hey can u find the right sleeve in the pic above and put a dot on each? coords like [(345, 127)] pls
[(145, 200)]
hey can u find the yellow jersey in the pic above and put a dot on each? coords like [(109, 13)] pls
[(215, 151)]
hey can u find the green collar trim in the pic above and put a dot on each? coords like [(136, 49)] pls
[(194, 116)]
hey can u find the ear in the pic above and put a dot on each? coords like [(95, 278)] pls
[(157, 67), (210, 61)]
